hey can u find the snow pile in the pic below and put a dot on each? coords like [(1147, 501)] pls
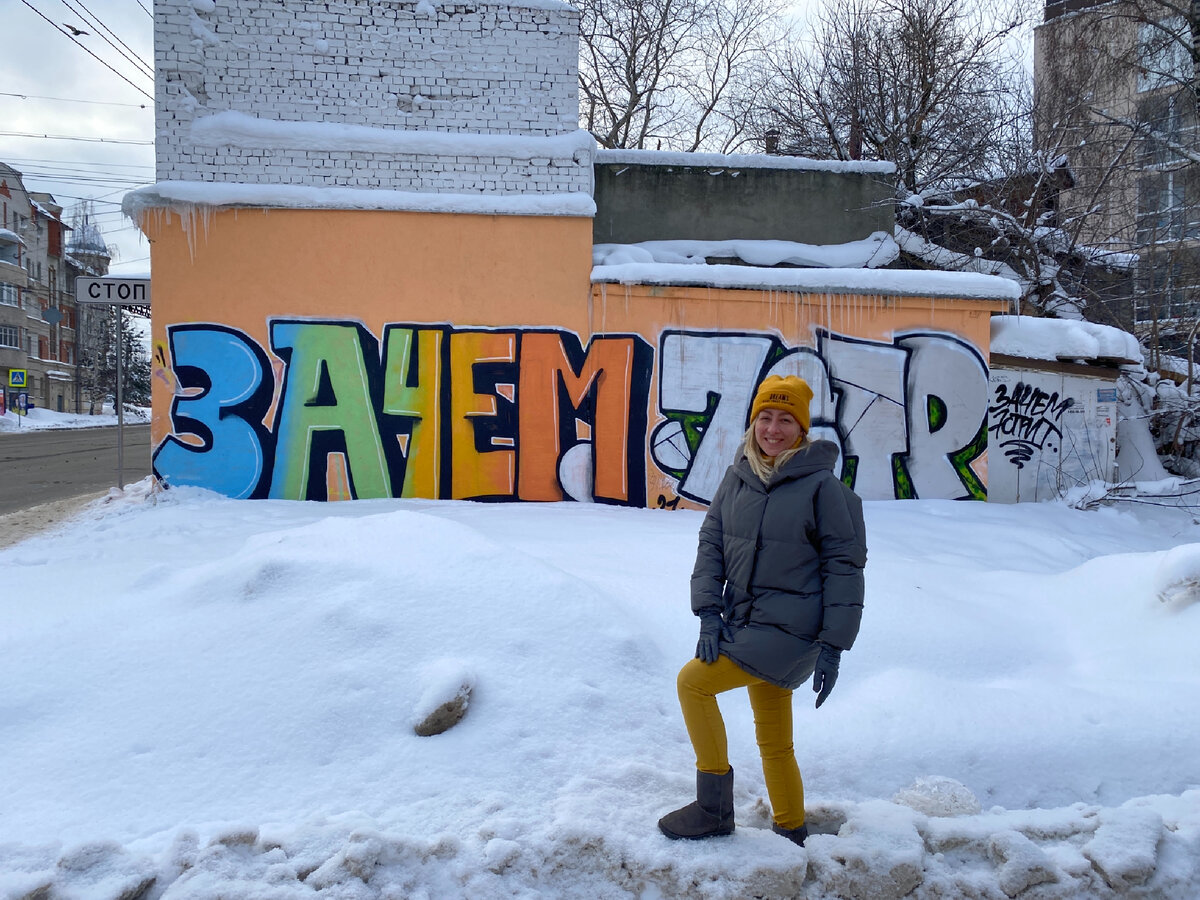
[(725, 161), (903, 282), (1177, 577), (187, 195), (41, 419), (1031, 337), (235, 129), (206, 697), (874, 252)]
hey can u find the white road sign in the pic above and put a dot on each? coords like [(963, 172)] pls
[(121, 291)]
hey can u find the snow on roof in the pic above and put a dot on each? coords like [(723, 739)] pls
[(1030, 337), (237, 129), (138, 269), (82, 266), (949, 260), (741, 161), (294, 196), (952, 285), (11, 237), (49, 214), (873, 252)]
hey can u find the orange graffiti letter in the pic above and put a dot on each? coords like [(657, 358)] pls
[(479, 471), (608, 368)]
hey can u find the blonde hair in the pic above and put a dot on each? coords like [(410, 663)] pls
[(762, 465)]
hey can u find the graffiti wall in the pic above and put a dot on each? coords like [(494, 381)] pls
[(374, 375), (1049, 432)]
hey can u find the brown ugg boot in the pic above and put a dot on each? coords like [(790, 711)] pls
[(709, 816)]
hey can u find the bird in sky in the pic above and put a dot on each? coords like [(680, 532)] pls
[(75, 32)]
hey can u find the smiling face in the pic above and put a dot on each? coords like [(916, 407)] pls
[(776, 431)]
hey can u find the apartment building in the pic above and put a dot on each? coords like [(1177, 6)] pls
[(40, 326), (1114, 86)]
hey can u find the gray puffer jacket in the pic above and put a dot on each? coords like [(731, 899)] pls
[(782, 563)]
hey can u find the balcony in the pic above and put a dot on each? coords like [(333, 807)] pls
[(11, 273)]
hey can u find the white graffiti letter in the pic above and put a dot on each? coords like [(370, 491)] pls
[(871, 378), (954, 373), (694, 366)]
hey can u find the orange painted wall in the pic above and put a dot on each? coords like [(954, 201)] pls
[(337, 354)]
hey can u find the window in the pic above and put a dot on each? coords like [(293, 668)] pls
[(1168, 207), (9, 337), (1168, 286), (10, 295), (1168, 125), (43, 347), (1163, 54)]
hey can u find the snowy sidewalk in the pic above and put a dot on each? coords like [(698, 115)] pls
[(211, 698)]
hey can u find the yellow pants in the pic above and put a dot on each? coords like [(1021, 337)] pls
[(699, 683)]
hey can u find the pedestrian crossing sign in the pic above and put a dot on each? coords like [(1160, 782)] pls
[(18, 378)]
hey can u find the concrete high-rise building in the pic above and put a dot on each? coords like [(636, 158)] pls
[(1115, 93)]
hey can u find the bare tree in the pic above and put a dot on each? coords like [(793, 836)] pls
[(1117, 90), (926, 84), (671, 74)]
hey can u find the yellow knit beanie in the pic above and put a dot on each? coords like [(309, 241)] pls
[(789, 393)]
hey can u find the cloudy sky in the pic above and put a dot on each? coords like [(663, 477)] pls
[(78, 125)]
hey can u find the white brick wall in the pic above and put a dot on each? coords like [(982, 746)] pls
[(468, 68)]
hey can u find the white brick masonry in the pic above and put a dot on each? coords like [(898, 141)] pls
[(413, 67)]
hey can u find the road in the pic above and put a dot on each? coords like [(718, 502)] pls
[(46, 465)]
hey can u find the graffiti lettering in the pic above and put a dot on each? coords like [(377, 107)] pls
[(435, 414), (908, 416), (532, 414), (1028, 419)]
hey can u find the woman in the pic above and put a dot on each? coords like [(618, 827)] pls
[(778, 587)]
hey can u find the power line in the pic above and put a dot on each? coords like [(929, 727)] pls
[(146, 11), (72, 100), (127, 53), (132, 52), (66, 165), (98, 180), (116, 178), (86, 50), (32, 160), (63, 137)]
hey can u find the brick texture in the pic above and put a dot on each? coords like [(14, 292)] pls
[(421, 67)]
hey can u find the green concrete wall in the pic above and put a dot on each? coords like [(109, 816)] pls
[(636, 202)]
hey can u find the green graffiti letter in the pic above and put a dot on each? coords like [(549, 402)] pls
[(326, 399)]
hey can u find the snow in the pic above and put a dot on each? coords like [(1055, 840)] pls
[(136, 269), (11, 237), (246, 131), (949, 260), (1031, 337), (219, 695), (919, 283), (45, 419), (190, 194), (877, 250), (742, 161)]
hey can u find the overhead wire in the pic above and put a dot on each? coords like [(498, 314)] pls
[(128, 53), (73, 100), (34, 160), (67, 137), (80, 44)]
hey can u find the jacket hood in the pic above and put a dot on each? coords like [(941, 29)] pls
[(816, 457)]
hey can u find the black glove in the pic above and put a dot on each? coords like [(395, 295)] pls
[(826, 672), (709, 645)]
